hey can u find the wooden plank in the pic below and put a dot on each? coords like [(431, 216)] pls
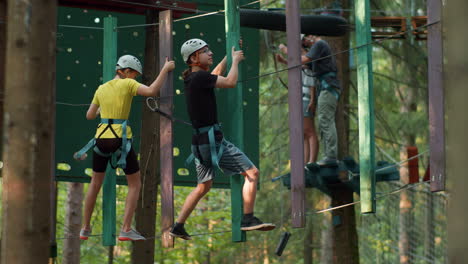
[(365, 106), (166, 134), (296, 138), (236, 131), (413, 164), (436, 97), (28, 141), (109, 186)]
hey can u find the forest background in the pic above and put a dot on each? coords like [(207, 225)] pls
[(410, 224)]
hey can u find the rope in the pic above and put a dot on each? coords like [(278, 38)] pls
[(153, 237), (204, 13), (397, 164), (81, 27), (325, 57), (343, 51), (70, 104), (162, 113), (405, 187)]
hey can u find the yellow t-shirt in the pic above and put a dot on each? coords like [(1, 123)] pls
[(115, 99)]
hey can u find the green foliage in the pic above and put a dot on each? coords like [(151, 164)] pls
[(400, 83)]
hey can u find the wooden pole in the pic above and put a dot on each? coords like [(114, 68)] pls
[(296, 138), (3, 18), (145, 214), (166, 134), (365, 106), (235, 115), (109, 189), (28, 126), (436, 96), (457, 125)]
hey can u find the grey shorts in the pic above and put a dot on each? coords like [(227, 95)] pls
[(233, 161)]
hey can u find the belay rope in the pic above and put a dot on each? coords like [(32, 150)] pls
[(152, 104)]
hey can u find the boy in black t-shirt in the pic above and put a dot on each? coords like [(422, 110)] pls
[(209, 147)]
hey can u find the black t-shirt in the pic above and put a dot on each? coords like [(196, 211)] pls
[(201, 99), (319, 50)]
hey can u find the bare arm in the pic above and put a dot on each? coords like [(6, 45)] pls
[(312, 98), (154, 88), (93, 112), (305, 59), (231, 80), (281, 59), (283, 48), (220, 69)]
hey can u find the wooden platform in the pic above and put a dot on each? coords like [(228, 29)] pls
[(384, 27)]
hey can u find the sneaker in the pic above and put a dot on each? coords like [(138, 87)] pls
[(85, 234), (178, 230), (327, 162), (254, 223), (131, 235)]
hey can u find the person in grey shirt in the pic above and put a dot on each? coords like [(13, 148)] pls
[(324, 68)]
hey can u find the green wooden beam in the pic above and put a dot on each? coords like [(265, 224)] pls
[(365, 106), (236, 132), (109, 189)]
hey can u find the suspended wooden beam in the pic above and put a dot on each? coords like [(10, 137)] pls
[(436, 96), (418, 31), (365, 106), (236, 115), (384, 27), (296, 139), (166, 132), (134, 6), (109, 187)]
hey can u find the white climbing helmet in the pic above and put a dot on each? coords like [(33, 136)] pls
[(190, 46), (129, 61)]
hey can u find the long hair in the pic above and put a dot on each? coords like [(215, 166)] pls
[(186, 72)]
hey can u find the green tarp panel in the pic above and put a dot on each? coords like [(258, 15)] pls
[(79, 73)]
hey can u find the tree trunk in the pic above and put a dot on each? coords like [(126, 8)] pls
[(457, 125), (110, 255), (308, 243), (3, 18), (71, 245), (345, 240), (405, 216), (145, 216), (326, 256), (308, 240), (429, 224), (408, 106), (29, 111)]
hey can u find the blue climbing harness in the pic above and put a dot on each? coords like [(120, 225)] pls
[(122, 151), (324, 84), (215, 156)]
